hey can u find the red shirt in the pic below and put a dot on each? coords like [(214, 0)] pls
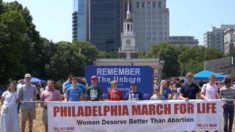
[(115, 96)]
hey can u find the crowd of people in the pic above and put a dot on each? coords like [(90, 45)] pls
[(27, 94)]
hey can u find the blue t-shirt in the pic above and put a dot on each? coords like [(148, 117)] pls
[(83, 87), (166, 92), (66, 84), (134, 96), (74, 94)]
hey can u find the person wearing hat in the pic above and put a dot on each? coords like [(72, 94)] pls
[(157, 95), (28, 110), (228, 106), (94, 92), (134, 94)]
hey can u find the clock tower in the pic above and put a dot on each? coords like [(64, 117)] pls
[(128, 48)]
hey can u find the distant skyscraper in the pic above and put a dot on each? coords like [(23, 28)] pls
[(215, 37), (151, 19), (105, 24), (229, 40), (80, 15)]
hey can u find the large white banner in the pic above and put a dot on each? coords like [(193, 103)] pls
[(135, 116)]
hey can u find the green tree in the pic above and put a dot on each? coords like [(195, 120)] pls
[(169, 53), (192, 59), (66, 61), (87, 49), (33, 47), (12, 32)]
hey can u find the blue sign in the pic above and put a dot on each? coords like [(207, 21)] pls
[(124, 75)]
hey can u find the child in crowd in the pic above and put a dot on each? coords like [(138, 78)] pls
[(157, 95)]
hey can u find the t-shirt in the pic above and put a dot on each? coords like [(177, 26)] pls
[(50, 95), (176, 93), (83, 87), (115, 95), (65, 84), (227, 93), (74, 94), (94, 93), (10, 97), (41, 90), (19, 86), (210, 91), (157, 97), (189, 91), (166, 92), (28, 93), (134, 96)]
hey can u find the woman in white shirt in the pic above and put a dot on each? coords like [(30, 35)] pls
[(9, 115)]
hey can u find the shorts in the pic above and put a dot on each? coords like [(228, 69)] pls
[(28, 114), (45, 117)]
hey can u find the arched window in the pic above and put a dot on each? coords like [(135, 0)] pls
[(128, 27)]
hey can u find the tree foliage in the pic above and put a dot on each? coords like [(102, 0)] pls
[(22, 50)]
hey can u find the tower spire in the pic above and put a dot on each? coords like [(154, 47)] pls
[(128, 13)]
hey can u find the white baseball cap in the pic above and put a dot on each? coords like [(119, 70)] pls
[(27, 75)]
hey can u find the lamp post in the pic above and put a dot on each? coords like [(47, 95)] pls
[(162, 62)]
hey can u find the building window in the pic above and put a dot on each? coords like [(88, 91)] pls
[(159, 4), (137, 4), (148, 5), (154, 4), (142, 4), (148, 17), (154, 38), (128, 55), (148, 33)]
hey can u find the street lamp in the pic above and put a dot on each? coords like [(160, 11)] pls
[(162, 62)]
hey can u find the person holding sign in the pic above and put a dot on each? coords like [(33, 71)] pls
[(94, 93), (114, 94), (28, 92), (134, 94), (74, 93), (228, 106), (210, 90), (51, 94), (189, 90)]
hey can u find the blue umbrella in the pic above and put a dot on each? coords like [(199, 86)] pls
[(37, 80)]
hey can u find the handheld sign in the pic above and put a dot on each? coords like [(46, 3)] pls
[(124, 75)]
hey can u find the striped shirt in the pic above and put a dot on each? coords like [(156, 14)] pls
[(227, 93)]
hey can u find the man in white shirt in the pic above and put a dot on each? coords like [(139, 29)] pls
[(20, 85)]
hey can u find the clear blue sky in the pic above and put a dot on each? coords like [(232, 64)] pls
[(53, 18)]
